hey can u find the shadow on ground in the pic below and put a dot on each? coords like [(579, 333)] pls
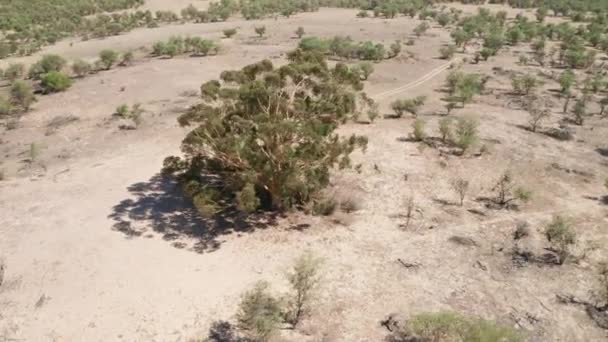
[(158, 207)]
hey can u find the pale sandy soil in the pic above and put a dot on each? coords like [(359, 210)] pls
[(116, 255)]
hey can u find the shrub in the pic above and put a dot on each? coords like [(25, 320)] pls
[(447, 326), (421, 29), (324, 206), (304, 280), (300, 32), (127, 58), (14, 71), (55, 81), (460, 186), (229, 33), (580, 111), (158, 49), (447, 52), (445, 129), (292, 131), (395, 49), (408, 105), (108, 58), (418, 130), (366, 69), (362, 14), (48, 63), (259, 313), (602, 291), (524, 85), (466, 132), (81, 68), (134, 113), (22, 95), (561, 235), (260, 30), (5, 107)]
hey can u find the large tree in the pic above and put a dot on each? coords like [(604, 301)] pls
[(265, 137)]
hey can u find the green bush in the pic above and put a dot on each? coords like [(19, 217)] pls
[(228, 33), (108, 58), (22, 95), (466, 132), (81, 68), (5, 107), (304, 280), (447, 52), (55, 81), (324, 206), (300, 32), (259, 313), (561, 235), (48, 63), (445, 129), (418, 130), (411, 106)]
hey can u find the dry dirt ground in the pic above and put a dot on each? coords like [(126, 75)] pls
[(98, 247)]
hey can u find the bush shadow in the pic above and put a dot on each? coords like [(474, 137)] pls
[(158, 207)]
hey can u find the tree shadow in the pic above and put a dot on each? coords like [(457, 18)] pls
[(602, 151), (159, 207)]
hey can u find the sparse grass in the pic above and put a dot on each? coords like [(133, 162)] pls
[(418, 133), (448, 326), (466, 132), (324, 206)]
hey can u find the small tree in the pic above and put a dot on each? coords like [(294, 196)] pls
[(566, 81), (460, 186), (54, 81), (260, 30), (108, 58), (22, 95), (466, 132), (259, 313), (580, 111), (300, 32), (304, 280), (537, 112), (395, 49), (506, 192), (366, 69), (561, 235), (229, 33), (524, 85), (80, 68), (418, 130)]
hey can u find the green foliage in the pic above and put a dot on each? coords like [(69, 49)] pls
[(270, 129), (463, 87), (259, 313), (108, 58), (419, 133), (35, 23), (346, 48), (48, 63), (411, 106), (177, 45), (14, 71), (447, 326), (580, 111), (561, 235), (81, 68), (22, 95), (134, 113), (525, 84), (127, 58), (229, 33), (54, 82), (304, 280), (466, 132), (365, 69)]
